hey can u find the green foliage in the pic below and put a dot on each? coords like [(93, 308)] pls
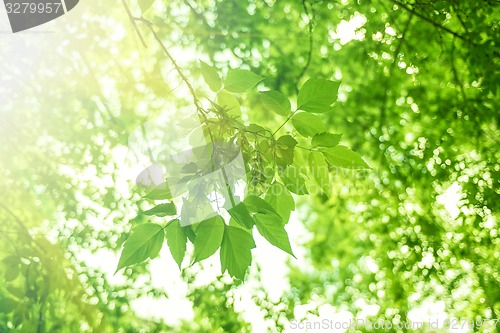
[(240, 80), (327, 140), (211, 76), (276, 102), (161, 210), (318, 169), (144, 242), (285, 147), (266, 208), (161, 192), (294, 180), (317, 96), (419, 101), (208, 237), (270, 225), (308, 124), (145, 4), (235, 255), (341, 156), (241, 215), (176, 240), (228, 102)]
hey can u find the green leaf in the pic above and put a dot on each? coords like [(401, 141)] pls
[(176, 241), (235, 224), (162, 210), (241, 215), (256, 128), (208, 237), (240, 80), (235, 251), (319, 171), (271, 227), (144, 242), (145, 4), (285, 150), (188, 230), (308, 124), (190, 167), (211, 76), (161, 192), (280, 198), (293, 180), (275, 101), (317, 96), (229, 102), (326, 140), (258, 205), (343, 157)]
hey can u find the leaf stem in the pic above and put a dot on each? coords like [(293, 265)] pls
[(287, 119)]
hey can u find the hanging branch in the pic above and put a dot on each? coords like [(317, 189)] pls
[(202, 112)]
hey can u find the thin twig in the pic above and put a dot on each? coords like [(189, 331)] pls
[(311, 41), (435, 24), (455, 74), (198, 15), (134, 23), (286, 121), (391, 70)]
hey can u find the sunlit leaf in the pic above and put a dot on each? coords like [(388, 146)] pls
[(241, 215), (211, 76), (235, 251), (285, 150), (235, 224), (343, 157), (271, 227), (208, 237), (161, 210), (228, 102), (258, 205), (317, 95), (176, 241), (326, 140), (144, 242), (318, 169), (161, 192), (280, 198), (241, 80), (275, 101), (308, 124), (294, 180)]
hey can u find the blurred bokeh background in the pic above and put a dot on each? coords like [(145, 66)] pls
[(415, 238)]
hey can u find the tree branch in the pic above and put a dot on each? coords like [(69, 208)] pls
[(435, 24), (134, 24), (393, 66), (311, 41)]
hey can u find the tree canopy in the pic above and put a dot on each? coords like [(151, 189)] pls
[(355, 143)]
